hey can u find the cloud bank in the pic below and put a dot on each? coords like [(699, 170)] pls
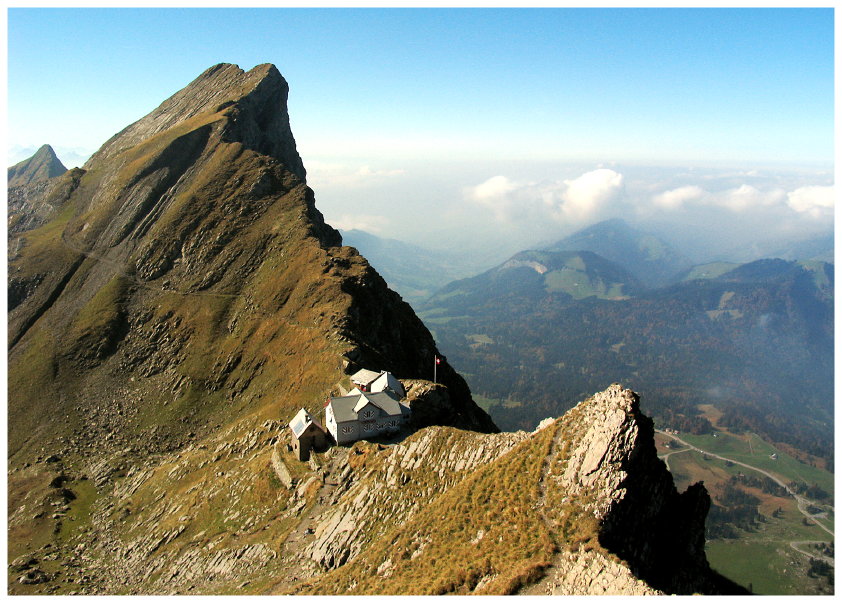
[(727, 207), (574, 200), (369, 223)]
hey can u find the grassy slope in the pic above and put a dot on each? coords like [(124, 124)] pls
[(484, 526)]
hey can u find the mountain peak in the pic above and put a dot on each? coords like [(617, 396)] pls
[(254, 102), (643, 254), (44, 164)]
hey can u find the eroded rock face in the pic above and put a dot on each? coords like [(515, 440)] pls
[(602, 496), (614, 471), (437, 457), (255, 97), (589, 573)]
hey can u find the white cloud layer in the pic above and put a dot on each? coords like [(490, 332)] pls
[(328, 173), (726, 208), (678, 197), (816, 201), (588, 193), (570, 201)]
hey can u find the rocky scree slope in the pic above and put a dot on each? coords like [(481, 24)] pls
[(183, 285)]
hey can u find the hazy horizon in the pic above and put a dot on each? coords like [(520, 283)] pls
[(480, 129)]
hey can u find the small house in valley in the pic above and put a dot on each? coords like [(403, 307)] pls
[(364, 415), (307, 435)]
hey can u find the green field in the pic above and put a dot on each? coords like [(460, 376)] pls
[(766, 567), (754, 451), (762, 559)]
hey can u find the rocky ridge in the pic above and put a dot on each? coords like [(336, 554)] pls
[(215, 517), (177, 300), (166, 300), (601, 499)]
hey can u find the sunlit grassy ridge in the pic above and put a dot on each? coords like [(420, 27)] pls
[(486, 531)]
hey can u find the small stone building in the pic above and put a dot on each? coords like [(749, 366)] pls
[(307, 435)]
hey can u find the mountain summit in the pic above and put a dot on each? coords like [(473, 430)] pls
[(253, 102), (44, 164), (187, 268), (643, 254)]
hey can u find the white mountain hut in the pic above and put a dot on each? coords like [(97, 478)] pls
[(364, 415), (373, 381)]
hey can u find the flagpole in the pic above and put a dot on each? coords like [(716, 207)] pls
[(435, 366)]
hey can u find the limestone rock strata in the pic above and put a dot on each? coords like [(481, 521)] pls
[(431, 461), (612, 470), (589, 573)]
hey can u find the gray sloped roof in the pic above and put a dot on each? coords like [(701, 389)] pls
[(386, 402), (343, 407)]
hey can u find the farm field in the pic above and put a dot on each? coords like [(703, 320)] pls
[(761, 558)]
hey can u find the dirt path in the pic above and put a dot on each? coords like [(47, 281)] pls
[(540, 587), (795, 543), (297, 565), (803, 503), (666, 457)]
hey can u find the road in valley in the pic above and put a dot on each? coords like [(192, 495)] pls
[(803, 503)]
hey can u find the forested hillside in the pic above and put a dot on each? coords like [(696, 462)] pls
[(756, 341)]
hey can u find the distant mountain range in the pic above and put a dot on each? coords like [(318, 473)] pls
[(535, 277), (546, 327)]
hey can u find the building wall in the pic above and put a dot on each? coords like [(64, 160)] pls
[(302, 446), (347, 432), (330, 423), (351, 431)]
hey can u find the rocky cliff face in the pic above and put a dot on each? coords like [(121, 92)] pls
[(188, 263)]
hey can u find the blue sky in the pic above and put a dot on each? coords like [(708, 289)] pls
[(387, 93), (622, 84)]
